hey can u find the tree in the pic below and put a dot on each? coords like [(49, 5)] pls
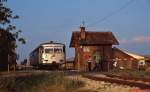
[(9, 34)]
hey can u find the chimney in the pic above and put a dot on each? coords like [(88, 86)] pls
[(82, 32)]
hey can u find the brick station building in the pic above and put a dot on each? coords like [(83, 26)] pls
[(94, 46)]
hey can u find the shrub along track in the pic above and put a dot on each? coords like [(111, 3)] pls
[(133, 82)]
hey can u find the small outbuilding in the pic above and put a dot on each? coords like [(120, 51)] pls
[(93, 49), (127, 60)]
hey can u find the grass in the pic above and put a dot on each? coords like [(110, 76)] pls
[(39, 82), (87, 91), (131, 73)]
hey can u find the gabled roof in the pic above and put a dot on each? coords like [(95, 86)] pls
[(138, 57), (129, 54), (93, 38), (115, 49)]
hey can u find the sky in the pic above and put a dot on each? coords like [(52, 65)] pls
[(55, 20)]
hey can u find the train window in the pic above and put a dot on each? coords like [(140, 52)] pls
[(48, 50), (57, 50)]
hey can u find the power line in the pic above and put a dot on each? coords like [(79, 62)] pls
[(113, 13)]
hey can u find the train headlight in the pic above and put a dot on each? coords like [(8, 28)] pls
[(45, 61), (61, 61)]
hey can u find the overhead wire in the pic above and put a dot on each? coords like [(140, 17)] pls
[(112, 13)]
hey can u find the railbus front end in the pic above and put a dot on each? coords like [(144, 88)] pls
[(51, 55)]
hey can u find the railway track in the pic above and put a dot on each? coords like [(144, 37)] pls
[(128, 81)]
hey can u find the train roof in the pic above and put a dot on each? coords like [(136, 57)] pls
[(51, 42)]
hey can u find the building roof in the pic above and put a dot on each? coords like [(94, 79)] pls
[(93, 38), (125, 55), (129, 54), (138, 57)]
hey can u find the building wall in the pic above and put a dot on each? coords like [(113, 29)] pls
[(108, 55), (84, 53)]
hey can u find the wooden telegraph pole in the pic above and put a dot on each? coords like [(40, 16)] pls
[(8, 64)]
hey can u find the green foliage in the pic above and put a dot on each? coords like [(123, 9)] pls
[(6, 17), (9, 34), (22, 40)]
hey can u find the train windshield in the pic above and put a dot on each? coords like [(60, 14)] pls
[(53, 50), (58, 50), (48, 50)]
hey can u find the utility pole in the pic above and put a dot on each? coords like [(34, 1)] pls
[(8, 64)]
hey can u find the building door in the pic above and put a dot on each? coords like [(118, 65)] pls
[(97, 59)]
